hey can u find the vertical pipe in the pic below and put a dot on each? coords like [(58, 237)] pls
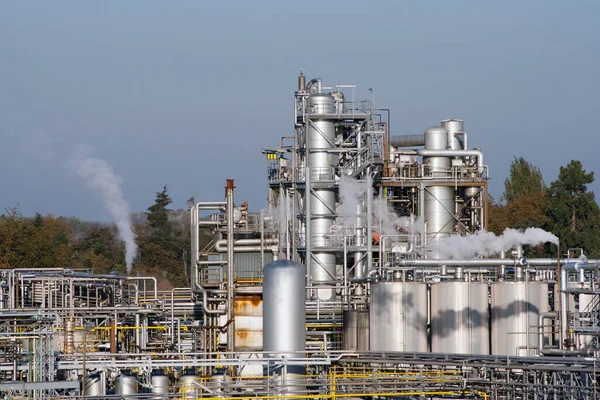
[(230, 267), (113, 336), (369, 220), (138, 332)]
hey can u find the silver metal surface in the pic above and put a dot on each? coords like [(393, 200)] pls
[(436, 138), (94, 385), (284, 329), (126, 385), (398, 317), (159, 384), (515, 309), (189, 387), (439, 205), (453, 126), (321, 165), (459, 318)]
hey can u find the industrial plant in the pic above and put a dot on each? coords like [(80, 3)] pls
[(369, 275)]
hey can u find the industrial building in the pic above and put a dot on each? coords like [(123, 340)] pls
[(367, 276)]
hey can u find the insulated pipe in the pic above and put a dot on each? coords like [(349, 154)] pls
[(230, 262), (481, 262), (221, 245), (541, 318), (456, 153), (407, 141), (312, 82)]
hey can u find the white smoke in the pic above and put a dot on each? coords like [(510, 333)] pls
[(487, 243), (385, 219), (102, 179)]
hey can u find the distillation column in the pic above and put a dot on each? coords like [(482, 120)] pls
[(321, 167), (438, 199)]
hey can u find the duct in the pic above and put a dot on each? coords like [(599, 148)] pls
[(246, 244), (312, 82), (456, 153), (407, 141)]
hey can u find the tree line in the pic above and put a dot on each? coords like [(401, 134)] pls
[(162, 236), (566, 208)]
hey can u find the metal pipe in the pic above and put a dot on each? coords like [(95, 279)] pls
[(230, 261), (221, 245), (479, 262), (541, 318), (456, 153), (407, 141), (312, 82)]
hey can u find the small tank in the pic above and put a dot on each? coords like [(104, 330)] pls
[(159, 384), (188, 386), (125, 385), (94, 385), (219, 382)]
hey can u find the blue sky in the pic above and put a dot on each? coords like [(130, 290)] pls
[(186, 93)]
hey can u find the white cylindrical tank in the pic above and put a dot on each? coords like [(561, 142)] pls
[(398, 317), (356, 330), (188, 386), (453, 126), (284, 299), (459, 318), (126, 386), (515, 309), (159, 383), (94, 385)]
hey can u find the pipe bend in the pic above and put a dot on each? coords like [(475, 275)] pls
[(312, 82)]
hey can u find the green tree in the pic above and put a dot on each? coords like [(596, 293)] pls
[(524, 179), (574, 213)]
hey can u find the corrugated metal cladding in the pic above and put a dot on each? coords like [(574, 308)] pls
[(247, 265)]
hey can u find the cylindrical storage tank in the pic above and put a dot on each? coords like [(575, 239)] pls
[(436, 138), (439, 205), (189, 387), (284, 299), (398, 317), (93, 385), (126, 385), (459, 318), (284, 319), (516, 307), (453, 126), (219, 382), (159, 383)]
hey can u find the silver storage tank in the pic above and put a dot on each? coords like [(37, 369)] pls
[(188, 386), (459, 318), (127, 386), (398, 317), (453, 126), (94, 386), (159, 385), (438, 200), (516, 307), (356, 330), (284, 317), (284, 308), (321, 166)]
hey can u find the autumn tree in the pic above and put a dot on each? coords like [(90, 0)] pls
[(573, 209)]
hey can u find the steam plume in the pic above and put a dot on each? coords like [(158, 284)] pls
[(487, 243), (102, 179)]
